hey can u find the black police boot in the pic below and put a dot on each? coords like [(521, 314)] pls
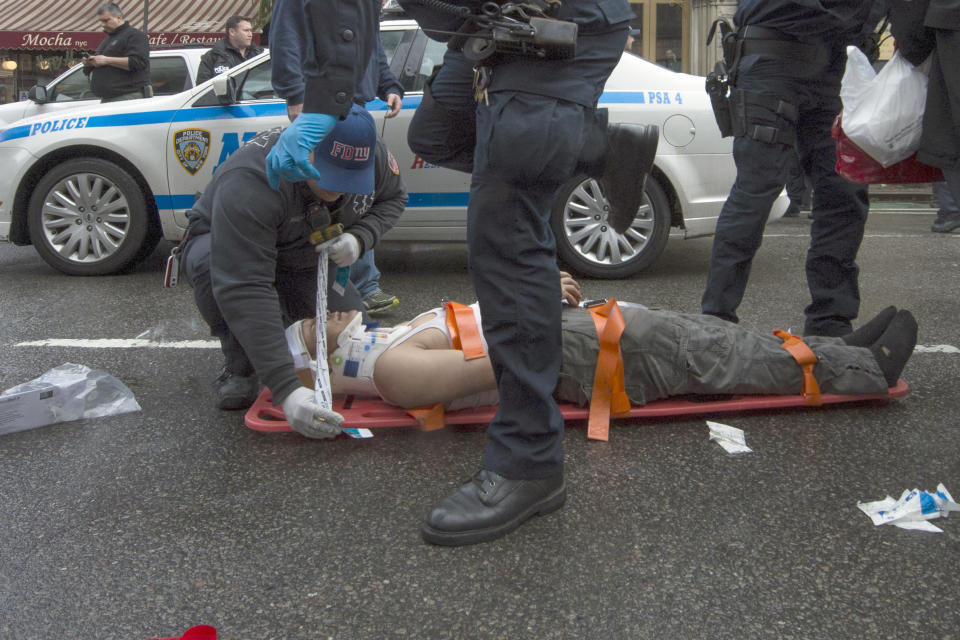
[(489, 506), (235, 391), (631, 149), (895, 346)]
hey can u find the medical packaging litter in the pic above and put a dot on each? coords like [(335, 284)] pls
[(730, 438), (913, 510), (64, 393)]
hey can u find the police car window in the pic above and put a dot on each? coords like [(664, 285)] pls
[(415, 77), (255, 84), (391, 40), (169, 75), (74, 86)]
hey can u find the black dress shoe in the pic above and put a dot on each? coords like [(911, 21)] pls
[(631, 149), (489, 506)]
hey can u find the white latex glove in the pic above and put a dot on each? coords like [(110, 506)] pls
[(345, 250), (308, 418)]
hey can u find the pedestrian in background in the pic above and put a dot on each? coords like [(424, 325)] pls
[(120, 67), (948, 214), (790, 57), (235, 47)]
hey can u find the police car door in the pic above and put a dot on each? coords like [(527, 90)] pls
[(210, 128), (438, 197)]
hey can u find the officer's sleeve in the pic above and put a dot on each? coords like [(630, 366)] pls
[(246, 213), (289, 36), (205, 71), (389, 201), (344, 36), (138, 52)]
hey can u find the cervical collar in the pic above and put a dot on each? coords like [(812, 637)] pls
[(353, 361)]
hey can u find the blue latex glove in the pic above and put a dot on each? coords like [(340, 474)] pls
[(290, 157)]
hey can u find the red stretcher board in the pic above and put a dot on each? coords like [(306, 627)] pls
[(370, 413)]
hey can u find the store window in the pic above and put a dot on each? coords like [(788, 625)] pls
[(662, 29)]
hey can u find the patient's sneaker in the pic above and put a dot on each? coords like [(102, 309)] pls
[(378, 302), (631, 149), (867, 333), (894, 347), (234, 391)]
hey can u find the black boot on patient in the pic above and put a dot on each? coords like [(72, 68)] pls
[(867, 333), (893, 348)]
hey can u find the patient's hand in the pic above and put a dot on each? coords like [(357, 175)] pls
[(569, 289)]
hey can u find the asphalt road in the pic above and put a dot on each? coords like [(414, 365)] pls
[(145, 524)]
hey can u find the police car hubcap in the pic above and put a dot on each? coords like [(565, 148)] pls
[(85, 217), (587, 231)]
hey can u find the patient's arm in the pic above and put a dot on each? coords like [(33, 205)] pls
[(412, 375)]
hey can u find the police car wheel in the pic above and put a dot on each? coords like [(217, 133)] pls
[(589, 246), (88, 217)]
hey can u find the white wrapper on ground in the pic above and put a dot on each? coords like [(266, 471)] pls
[(70, 392), (730, 438), (913, 510)]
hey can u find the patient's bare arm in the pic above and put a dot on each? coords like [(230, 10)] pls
[(410, 375)]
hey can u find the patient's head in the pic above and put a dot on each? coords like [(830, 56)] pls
[(337, 321)]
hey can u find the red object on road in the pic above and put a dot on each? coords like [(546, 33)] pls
[(200, 632)]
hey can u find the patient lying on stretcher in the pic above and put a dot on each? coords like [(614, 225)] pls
[(664, 354)]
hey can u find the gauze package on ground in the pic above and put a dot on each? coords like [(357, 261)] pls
[(730, 438), (913, 510), (64, 393)]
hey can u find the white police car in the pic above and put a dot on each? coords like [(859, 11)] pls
[(94, 189), (171, 71)]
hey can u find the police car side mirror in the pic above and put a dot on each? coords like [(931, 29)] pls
[(225, 88), (38, 94)]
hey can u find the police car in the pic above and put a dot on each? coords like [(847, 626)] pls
[(95, 188), (171, 71)]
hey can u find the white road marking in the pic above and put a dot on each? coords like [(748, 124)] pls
[(120, 343), (135, 343), (936, 348)]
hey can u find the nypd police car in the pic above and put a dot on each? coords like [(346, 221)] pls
[(95, 188)]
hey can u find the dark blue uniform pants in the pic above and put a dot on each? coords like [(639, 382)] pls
[(524, 146), (297, 291), (839, 207)]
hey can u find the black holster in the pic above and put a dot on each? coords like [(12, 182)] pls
[(718, 88), (719, 84)]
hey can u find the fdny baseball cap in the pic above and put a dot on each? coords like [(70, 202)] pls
[(345, 156)]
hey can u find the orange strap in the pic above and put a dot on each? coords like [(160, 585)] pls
[(796, 347), (429, 418), (465, 336), (464, 333), (608, 396)]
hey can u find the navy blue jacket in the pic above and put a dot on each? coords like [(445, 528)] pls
[(331, 43), (821, 20)]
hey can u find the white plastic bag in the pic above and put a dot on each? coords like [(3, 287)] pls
[(64, 393), (882, 112)]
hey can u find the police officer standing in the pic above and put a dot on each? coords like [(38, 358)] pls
[(526, 126), (229, 51), (785, 62)]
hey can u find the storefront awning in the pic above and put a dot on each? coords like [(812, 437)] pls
[(61, 25)]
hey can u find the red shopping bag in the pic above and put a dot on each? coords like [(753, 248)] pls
[(855, 165)]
